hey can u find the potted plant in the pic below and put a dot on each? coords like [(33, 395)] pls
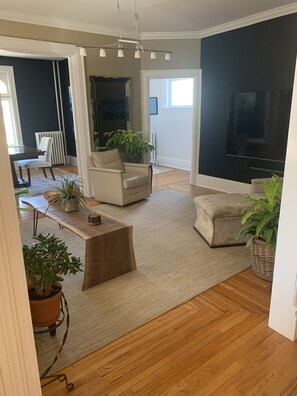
[(130, 143), (17, 194), (260, 227), (70, 195), (45, 263)]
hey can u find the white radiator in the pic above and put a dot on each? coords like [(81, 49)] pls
[(153, 141), (58, 151)]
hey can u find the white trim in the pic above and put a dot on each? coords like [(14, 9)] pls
[(250, 20), (71, 160), (170, 35), (146, 76), (80, 118), (283, 307), (225, 27), (223, 185), (62, 24), (90, 28), (174, 163), (78, 86), (44, 48), (17, 350), (18, 363), (12, 97)]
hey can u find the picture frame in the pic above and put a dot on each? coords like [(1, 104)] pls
[(153, 105)]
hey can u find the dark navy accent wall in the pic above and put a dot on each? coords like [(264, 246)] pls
[(67, 107), (35, 94), (253, 58)]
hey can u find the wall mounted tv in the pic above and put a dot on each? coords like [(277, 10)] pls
[(258, 124)]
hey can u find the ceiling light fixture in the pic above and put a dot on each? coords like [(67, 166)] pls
[(102, 53), (122, 45)]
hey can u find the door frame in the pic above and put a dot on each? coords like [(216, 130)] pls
[(10, 46), (146, 76), (17, 351)]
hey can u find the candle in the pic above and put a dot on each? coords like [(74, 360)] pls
[(94, 218)]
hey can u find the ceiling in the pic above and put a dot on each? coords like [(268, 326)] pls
[(158, 18)]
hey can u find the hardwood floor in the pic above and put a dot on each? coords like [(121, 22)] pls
[(218, 343)]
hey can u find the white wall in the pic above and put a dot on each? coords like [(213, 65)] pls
[(283, 306), (18, 363), (173, 129)]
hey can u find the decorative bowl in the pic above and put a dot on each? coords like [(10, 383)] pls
[(50, 195)]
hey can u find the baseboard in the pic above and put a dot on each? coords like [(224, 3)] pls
[(71, 160), (223, 185), (174, 163)]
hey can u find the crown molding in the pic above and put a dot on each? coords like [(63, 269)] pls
[(250, 20), (107, 31), (239, 23), (62, 24), (169, 35)]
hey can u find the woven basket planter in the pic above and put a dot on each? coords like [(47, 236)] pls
[(263, 257)]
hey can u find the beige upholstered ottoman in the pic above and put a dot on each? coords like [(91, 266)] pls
[(219, 217)]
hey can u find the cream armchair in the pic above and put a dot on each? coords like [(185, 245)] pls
[(116, 182)]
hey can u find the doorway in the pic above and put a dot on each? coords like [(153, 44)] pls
[(49, 50), (195, 74), (171, 117)]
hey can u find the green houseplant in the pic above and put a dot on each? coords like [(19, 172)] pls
[(70, 195), (260, 227), (17, 194), (130, 143), (46, 261)]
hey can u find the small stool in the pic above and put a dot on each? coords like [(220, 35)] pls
[(219, 218)]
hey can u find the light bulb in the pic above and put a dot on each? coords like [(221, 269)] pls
[(120, 53), (153, 55), (167, 56), (102, 53), (137, 54), (82, 51)]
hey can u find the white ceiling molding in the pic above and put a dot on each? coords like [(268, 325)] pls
[(104, 30), (62, 23), (169, 35), (251, 20)]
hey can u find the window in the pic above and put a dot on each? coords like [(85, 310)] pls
[(9, 106), (180, 92)]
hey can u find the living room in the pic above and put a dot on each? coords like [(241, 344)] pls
[(187, 51)]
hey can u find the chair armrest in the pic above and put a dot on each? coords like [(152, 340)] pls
[(107, 185), (142, 169), (103, 170)]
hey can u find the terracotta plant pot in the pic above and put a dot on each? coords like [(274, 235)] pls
[(46, 312)]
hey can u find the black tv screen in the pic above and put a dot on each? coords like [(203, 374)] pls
[(258, 124)]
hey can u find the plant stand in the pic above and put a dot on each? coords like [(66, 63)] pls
[(52, 330)]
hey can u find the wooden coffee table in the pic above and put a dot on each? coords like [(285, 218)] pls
[(109, 248)]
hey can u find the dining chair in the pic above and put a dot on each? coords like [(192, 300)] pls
[(43, 161)]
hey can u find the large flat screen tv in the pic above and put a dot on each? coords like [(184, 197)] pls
[(258, 124)]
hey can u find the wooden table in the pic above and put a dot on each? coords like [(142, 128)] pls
[(17, 153), (109, 246)]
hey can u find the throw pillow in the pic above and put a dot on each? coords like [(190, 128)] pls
[(109, 159)]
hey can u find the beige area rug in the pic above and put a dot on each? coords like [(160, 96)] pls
[(41, 184), (173, 265)]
